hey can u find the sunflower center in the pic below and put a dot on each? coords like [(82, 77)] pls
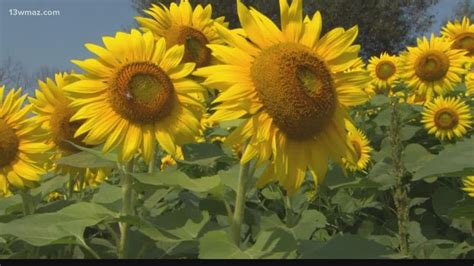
[(385, 70), (432, 66), (446, 119), (9, 144), (63, 129), (195, 49), (357, 148), (296, 89), (465, 41), (142, 93)]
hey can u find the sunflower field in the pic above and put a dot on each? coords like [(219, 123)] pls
[(187, 139)]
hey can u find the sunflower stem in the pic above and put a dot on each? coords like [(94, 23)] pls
[(236, 226), (152, 165), (127, 207), (71, 186), (400, 193), (27, 200)]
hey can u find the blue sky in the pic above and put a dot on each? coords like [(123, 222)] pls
[(54, 40)]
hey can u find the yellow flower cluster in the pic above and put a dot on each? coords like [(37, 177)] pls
[(291, 86)]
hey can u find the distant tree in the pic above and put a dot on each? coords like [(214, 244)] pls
[(31, 80), (464, 8), (384, 25), (12, 73)]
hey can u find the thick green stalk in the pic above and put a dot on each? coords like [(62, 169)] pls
[(28, 204), (238, 216), (152, 165), (400, 194), (127, 207)]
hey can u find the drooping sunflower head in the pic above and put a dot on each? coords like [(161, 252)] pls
[(180, 24), (362, 148), (292, 87), (468, 183), (136, 93), (461, 34), (22, 154), (384, 71), (433, 67), (447, 118), (53, 113)]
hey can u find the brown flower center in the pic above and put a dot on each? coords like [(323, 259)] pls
[(446, 119), (142, 93), (296, 89), (385, 69), (9, 144), (63, 129), (194, 42), (465, 41), (432, 66)]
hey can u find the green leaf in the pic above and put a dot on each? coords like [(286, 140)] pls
[(454, 160), (107, 194), (415, 156), (348, 247), (336, 177), (382, 173), (218, 245), (85, 160), (201, 154), (218, 132), (307, 248), (53, 184), (443, 199), (48, 228), (174, 178), (379, 100), (109, 156), (185, 223), (383, 118), (463, 209), (310, 220), (231, 123), (408, 132), (230, 177), (357, 183), (10, 204), (274, 244)]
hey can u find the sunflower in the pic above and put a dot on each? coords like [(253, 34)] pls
[(461, 34), (206, 124), (469, 185), (384, 71), (51, 106), (362, 147), (291, 88), (180, 24), (92, 178), (168, 160), (447, 117), (469, 80), (22, 154), (433, 67), (415, 99), (136, 93)]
